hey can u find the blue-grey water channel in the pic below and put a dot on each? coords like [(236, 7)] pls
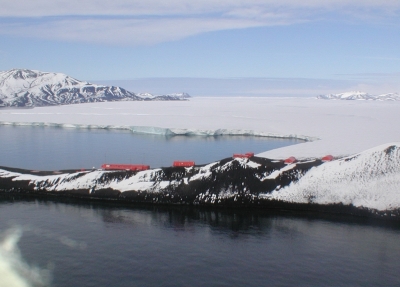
[(99, 244), (53, 148)]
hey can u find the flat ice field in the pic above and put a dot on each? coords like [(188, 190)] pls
[(336, 127)]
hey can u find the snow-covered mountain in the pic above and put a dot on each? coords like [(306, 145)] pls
[(30, 88), (167, 97), (356, 95)]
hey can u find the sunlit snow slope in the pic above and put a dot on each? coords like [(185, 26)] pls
[(369, 179)]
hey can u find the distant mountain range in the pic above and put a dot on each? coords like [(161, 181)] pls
[(32, 88), (361, 96)]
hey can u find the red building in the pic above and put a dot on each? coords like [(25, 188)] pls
[(290, 160), (327, 158), (183, 163), (246, 155), (133, 167)]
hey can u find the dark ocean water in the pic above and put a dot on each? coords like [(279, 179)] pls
[(106, 245), (52, 148)]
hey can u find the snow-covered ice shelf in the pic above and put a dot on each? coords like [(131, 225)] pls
[(332, 127)]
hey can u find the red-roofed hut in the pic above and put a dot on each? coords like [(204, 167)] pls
[(290, 160), (327, 158), (183, 163)]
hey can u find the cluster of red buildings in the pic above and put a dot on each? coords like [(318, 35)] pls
[(133, 167), (140, 167), (292, 159), (183, 163)]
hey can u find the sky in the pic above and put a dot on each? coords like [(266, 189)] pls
[(252, 47)]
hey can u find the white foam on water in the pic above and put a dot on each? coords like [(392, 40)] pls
[(14, 271)]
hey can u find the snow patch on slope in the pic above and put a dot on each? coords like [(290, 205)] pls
[(369, 179), (92, 180)]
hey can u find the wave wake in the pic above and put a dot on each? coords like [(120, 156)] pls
[(14, 271)]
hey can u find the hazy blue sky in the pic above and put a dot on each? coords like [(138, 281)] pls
[(354, 44)]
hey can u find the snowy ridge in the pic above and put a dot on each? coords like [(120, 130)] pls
[(83, 180), (357, 95), (167, 131), (30, 88), (368, 180)]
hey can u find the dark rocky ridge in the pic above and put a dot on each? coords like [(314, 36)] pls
[(242, 184)]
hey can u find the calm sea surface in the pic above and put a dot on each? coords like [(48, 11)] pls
[(76, 244), (51, 148), (105, 245)]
